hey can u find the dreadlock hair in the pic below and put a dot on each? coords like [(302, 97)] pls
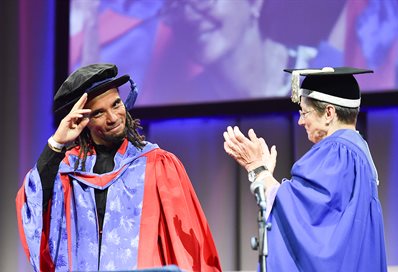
[(85, 143)]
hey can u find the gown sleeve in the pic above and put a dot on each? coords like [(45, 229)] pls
[(33, 215), (47, 166)]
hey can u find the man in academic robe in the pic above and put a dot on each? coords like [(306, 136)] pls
[(100, 197)]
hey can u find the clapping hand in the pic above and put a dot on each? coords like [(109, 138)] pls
[(249, 152)]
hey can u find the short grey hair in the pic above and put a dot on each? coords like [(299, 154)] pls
[(345, 115)]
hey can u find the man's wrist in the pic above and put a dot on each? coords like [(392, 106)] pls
[(54, 145)]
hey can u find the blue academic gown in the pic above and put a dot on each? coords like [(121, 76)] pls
[(152, 218), (328, 217)]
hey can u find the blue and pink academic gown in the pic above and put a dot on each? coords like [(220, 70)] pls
[(153, 217), (327, 217)]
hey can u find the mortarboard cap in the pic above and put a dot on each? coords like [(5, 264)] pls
[(94, 80), (333, 85)]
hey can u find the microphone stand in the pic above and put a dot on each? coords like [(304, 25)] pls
[(260, 243)]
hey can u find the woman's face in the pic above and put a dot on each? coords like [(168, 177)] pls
[(212, 27), (313, 122)]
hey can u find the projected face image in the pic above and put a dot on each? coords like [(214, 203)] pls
[(213, 28), (226, 40), (200, 51)]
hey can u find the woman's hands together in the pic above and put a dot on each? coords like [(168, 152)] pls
[(250, 152)]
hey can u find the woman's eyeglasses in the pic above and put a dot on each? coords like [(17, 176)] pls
[(304, 114)]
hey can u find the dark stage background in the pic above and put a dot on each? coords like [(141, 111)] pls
[(34, 57)]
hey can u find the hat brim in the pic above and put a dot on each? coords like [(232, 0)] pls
[(336, 71), (62, 111)]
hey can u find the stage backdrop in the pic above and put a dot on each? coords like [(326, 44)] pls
[(27, 74), (188, 51)]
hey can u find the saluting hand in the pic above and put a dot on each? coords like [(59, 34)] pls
[(73, 123)]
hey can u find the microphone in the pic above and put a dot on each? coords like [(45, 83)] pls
[(257, 188)]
